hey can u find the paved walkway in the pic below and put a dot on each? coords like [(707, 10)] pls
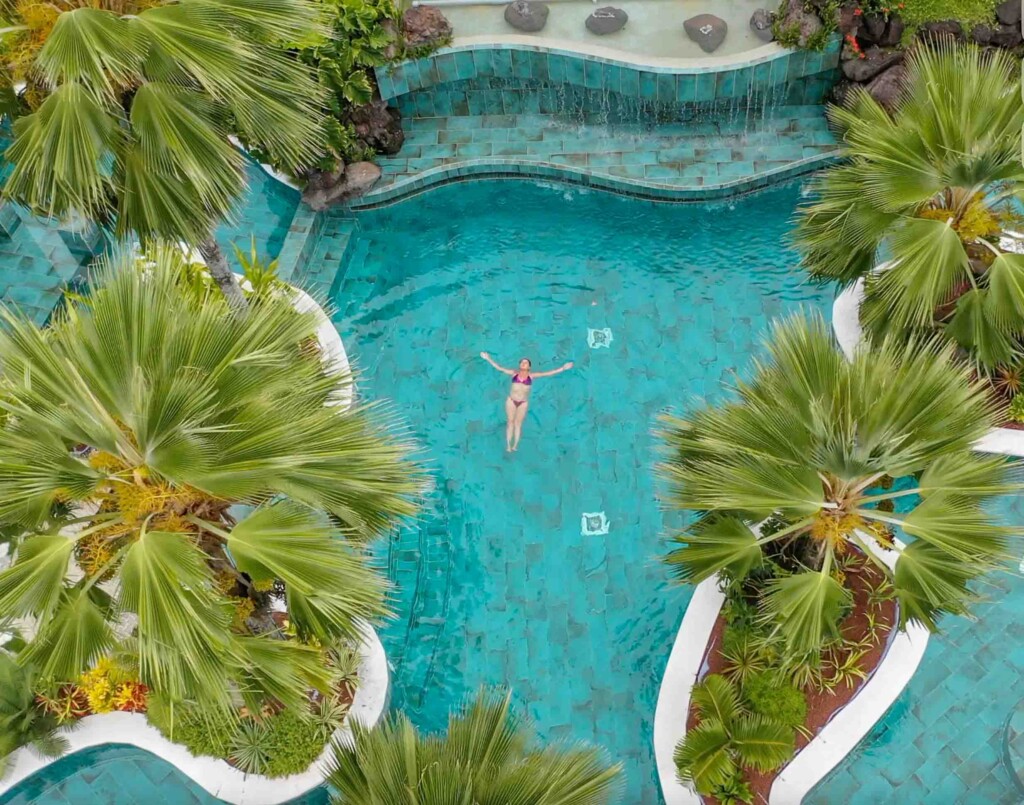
[(668, 160)]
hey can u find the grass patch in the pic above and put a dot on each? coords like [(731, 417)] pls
[(966, 12)]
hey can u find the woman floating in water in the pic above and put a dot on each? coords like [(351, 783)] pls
[(518, 400)]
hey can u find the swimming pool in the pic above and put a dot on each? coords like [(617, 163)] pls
[(496, 583)]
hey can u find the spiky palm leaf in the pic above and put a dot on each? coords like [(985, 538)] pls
[(186, 412), (932, 185), (487, 758), (805, 439), (134, 128), (22, 723)]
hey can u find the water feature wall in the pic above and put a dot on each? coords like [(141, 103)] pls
[(800, 77)]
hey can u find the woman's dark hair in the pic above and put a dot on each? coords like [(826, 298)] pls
[(528, 361)]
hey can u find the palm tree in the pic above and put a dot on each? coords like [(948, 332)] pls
[(806, 442), (132, 102), (22, 723), (932, 186), (186, 473), (728, 739), (487, 758)]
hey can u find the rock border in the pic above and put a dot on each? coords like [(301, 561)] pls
[(835, 740), (849, 333), (216, 776)]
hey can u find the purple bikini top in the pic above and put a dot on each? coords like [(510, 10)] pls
[(527, 382)]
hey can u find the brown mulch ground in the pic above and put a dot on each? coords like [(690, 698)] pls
[(821, 706), (1013, 425)]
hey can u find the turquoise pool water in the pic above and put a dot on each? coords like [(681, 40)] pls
[(496, 583)]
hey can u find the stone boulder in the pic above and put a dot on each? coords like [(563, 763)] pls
[(872, 29), (347, 182), (761, 24), (706, 30), (425, 26), (847, 21), (1007, 36), (874, 62), (885, 87), (982, 34), (1008, 12), (527, 15), (893, 32), (941, 31), (378, 126), (607, 20), (806, 22)]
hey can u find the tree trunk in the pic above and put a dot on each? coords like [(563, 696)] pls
[(222, 274)]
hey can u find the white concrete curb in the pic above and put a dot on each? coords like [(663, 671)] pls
[(271, 172), (216, 776), (849, 333), (836, 739)]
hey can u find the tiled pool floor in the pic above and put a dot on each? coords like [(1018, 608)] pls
[(942, 741), (686, 155)]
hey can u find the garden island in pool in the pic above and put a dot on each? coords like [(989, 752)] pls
[(623, 201)]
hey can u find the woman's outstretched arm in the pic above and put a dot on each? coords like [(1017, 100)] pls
[(563, 368), (490, 360)]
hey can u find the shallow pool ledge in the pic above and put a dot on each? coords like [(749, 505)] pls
[(849, 333), (835, 740), (216, 776)]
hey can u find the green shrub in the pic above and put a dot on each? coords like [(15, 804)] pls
[(201, 732), (735, 789), (967, 12), (1016, 410), (768, 694), (291, 743)]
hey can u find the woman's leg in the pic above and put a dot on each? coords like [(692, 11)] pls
[(510, 413), (520, 415)]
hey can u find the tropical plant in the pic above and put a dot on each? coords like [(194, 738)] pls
[(770, 695), (804, 440), (1015, 411), (728, 738), (133, 428), (22, 721), (131, 103), (934, 186), (488, 758)]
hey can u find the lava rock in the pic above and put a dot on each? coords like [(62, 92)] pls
[(425, 26), (347, 182), (607, 20), (389, 27), (1008, 12), (706, 30), (893, 32), (886, 87), (872, 29), (761, 24), (982, 34), (847, 21), (841, 92), (940, 31), (527, 15), (807, 22), (874, 62), (1007, 36), (378, 126)]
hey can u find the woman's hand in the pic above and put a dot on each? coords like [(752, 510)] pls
[(485, 356), (567, 366)]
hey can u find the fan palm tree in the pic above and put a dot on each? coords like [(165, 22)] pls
[(22, 723), (132, 102), (805, 442), (487, 758), (934, 186), (727, 739), (132, 428)]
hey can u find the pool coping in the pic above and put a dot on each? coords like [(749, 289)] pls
[(510, 168), (850, 334), (836, 739), (217, 776)]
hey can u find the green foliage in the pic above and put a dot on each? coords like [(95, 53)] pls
[(249, 747), (292, 743), (967, 12), (22, 722), (260, 274), (804, 439), (788, 36), (201, 731), (734, 790), (488, 755), (1016, 410), (768, 694), (942, 210), (233, 409), (728, 738)]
